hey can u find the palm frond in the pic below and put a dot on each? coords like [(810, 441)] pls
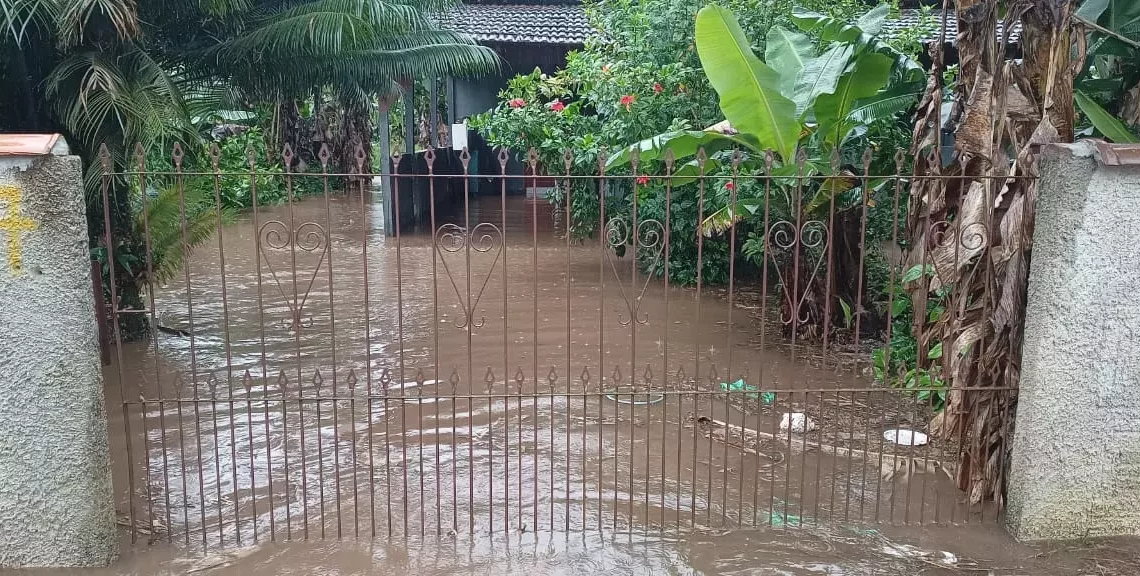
[(223, 8), (171, 242), (116, 97), (325, 32), (18, 16), (886, 104), (75, 14)]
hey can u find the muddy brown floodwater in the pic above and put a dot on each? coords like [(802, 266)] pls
[(341, 402)]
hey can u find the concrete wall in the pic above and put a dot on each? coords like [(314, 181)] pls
[(55, 481), (1075, 470)]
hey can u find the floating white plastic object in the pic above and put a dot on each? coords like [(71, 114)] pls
[(904, 437), (798, 421)]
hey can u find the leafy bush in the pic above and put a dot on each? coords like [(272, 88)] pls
[(638, 75)]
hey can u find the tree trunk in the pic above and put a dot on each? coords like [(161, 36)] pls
[(352, 147), (975, 230)]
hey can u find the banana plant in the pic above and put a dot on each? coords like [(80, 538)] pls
[(798, 100), (1112, 73)]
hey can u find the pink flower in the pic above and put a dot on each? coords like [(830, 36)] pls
[(606, 68), (643, 180), (627, 101), (517, 103), (557, 106), (729, 186), (658, 88)]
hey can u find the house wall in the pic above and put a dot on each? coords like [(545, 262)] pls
[(473, 96)]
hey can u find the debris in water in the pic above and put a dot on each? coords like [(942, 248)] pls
[(904, 437), (742, 386), (798, 421)]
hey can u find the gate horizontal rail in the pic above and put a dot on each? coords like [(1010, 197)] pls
[(720, 342)]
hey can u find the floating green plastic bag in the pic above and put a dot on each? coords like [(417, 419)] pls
[(742, 386)]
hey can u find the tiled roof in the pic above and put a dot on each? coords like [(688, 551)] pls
[(910, 18), (534, 24), (566, 24)]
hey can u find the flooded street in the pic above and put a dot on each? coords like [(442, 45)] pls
[(327, 399)]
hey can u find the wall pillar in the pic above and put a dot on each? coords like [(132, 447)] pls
[(1075, 468), (56, 504)]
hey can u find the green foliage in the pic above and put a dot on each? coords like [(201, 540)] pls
[(1105, 123), (1108, 89), (816, 117), (897, 362), (646, 52), (121, 73), (749, 90)]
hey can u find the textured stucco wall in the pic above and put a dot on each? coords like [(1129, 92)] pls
[(56, 504), (1075, 470)]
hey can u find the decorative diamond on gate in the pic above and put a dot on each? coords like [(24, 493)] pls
[(616, 375), (247, 382), (351, 380), (647, 376), (282, 382), (212, 384), (682, 377), (585, 378), (179, 384), (385, 378), (489, 379), (323, 155), (714, 376), (454, 379), (552, 376), (318, 382)]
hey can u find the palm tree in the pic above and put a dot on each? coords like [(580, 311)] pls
[(118, 74), (287, 50)]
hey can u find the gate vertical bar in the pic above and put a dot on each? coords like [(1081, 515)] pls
[(701, 158), (506, 362), (635, 296), (429, 157), (567, 159), (400, 325), (107, 164), (288, 157), (532, 160), (732, 195), (251, 159), (364, 223), (669, 161), (602, 243), (215, 155), (140, 160)]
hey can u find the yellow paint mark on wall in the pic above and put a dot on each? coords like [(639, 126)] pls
[(14, 225)]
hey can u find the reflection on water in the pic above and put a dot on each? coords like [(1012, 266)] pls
[(337, 383)]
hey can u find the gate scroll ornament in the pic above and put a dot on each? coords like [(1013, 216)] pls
[(308, 237), (483, 238)]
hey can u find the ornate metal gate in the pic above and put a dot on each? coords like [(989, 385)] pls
[(292, 370)]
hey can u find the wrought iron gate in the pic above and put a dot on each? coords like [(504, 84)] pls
[(302, 374)]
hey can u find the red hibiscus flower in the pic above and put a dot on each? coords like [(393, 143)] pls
[(517, 103), (627, 101), (643, 180), (557, 106), (658, 88), (730, 186)]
